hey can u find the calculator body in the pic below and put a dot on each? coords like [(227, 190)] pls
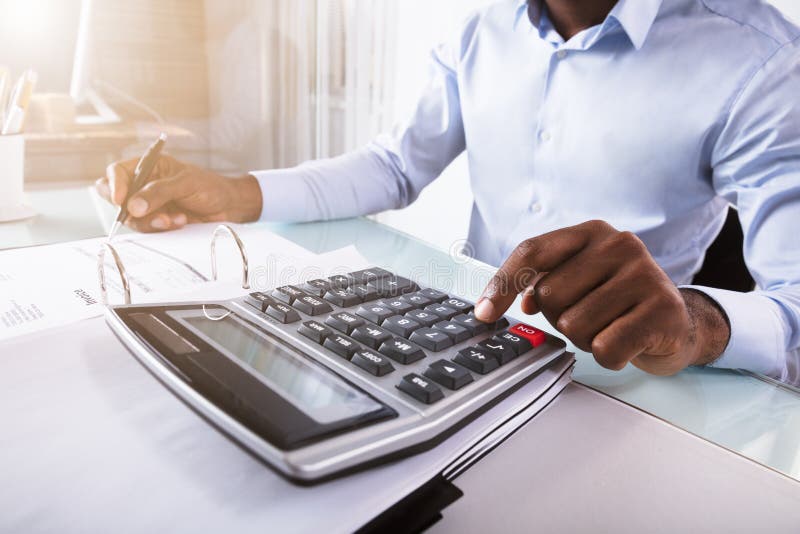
[(313, 409)]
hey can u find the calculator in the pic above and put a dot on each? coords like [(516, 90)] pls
[(333, 375)]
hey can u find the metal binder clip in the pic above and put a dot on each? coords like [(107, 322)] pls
[(245, 268), (101, 273)]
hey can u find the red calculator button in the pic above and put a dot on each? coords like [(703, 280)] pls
[(534, 335)]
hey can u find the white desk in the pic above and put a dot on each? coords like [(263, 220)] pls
[(748, 416)]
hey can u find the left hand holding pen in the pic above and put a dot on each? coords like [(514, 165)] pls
[(603, 290)]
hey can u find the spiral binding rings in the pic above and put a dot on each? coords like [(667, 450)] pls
[(108, 247), (245, 268), (101, 273)]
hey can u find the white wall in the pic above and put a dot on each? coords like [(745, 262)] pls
[(441, 214), (791, 8)]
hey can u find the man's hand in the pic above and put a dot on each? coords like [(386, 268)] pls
[(178, 193), (602, 289)]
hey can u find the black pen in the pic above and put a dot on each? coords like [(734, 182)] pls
[(143, 170)]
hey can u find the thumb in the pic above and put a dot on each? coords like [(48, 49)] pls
[(158, 193)]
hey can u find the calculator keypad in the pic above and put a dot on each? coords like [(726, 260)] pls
[(377, 320)]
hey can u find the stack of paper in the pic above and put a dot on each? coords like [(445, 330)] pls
[(54, 285)]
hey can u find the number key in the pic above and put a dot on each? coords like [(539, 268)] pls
[(402, 326), (431, 339), (425, 318), (454, 330), (461, 305), (399, 306), (445, 312), (375, 313)]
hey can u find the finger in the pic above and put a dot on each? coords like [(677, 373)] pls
[(623, 340), (529, 305), (158, 221), (585, 319), (102, 188), (574, 279), (156, 194), (119, 175), (539, 254)]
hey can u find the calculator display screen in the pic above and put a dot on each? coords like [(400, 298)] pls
[(319, 394)]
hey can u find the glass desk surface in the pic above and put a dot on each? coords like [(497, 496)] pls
[(753, 417)]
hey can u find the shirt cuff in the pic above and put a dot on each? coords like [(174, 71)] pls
[(285, 196), (756, 343)]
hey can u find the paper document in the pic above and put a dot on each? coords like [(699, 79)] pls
[(48, 286)]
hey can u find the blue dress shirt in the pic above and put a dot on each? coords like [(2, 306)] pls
[(654, 121)]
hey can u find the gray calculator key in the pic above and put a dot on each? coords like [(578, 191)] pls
[(340, 281), (259, 300), (394, 286), (471, 323), (282, 312), (372, 362), (501, 323), (287, 294), (375, 313), (418, 300), (422, 389), (445, 312), (477, 359), (365, 276), (519, 344), (449, 374), (341, 345), (433, 294), (431, 339), (499, 349), (312, 305), (366, 293), (461, 305), (315, 331), (344, 298), (344, 322), (401, 351), (371, 335), (398, 305), (454, 330), (400, 325), (425, 318), (316, 287)]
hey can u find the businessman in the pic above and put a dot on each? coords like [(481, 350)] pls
[(606, 140)]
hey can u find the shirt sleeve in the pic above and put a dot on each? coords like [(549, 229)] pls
[(756, 167), (389, 173)]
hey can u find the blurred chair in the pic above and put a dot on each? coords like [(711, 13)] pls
[(724, 266)]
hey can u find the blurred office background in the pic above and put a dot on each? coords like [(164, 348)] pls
[(238, 84)]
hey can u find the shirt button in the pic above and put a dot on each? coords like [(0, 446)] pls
[(546, 136), (561, 54), (536, 207)]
